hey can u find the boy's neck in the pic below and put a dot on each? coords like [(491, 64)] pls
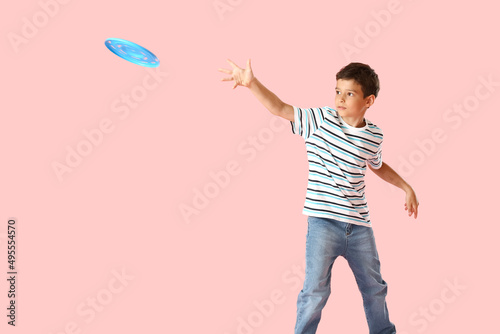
[(355, 122)]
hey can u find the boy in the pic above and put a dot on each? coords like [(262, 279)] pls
[(340, 143)]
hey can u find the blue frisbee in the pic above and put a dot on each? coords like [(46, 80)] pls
[(132, 52)]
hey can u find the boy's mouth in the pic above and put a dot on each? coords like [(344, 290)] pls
[(341, 108)]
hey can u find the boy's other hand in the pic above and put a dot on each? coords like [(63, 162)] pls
[(411, 204), (242, 77)]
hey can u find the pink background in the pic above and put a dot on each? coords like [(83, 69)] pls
[(119, 209)]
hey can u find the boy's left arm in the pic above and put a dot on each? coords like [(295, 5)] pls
[(386, 173)]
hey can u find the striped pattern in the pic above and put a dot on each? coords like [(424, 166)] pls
[(337, 155)]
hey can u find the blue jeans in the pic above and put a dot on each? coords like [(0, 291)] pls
[(326, 240)]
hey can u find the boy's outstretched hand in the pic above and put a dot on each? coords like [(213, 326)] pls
[(242, 77), (411, 204)]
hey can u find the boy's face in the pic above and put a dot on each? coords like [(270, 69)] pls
[(349, 101)]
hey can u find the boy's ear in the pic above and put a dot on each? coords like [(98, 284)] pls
[(370, 100)]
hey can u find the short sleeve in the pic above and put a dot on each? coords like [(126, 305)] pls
[(306, 121), (376, 161)]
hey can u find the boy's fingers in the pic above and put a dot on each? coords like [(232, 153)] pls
[(225, 71), (412, 211), (232, 64), (227, 79), (248, 63)]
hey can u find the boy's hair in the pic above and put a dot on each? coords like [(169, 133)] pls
[(364, 75)]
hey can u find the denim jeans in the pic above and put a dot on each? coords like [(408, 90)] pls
[(326, 240)]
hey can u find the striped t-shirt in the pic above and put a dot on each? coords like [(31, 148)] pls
[(337, 155)]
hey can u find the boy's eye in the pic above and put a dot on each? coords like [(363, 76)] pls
[(349, 94)]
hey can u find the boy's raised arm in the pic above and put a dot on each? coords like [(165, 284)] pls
[(245, 77)]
